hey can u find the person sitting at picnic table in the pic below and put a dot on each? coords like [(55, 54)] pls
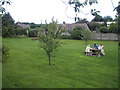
[(101, 49), (95, 46), (87, 50)]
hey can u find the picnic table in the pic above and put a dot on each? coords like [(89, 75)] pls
[(95, 51)]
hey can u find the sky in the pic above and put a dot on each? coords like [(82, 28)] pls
[(38, 11)]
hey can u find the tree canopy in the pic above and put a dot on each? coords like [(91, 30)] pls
[(108, 18), (98, 18), (76, 4), (8, 26)]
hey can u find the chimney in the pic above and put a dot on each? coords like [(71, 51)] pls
[(64, 22)]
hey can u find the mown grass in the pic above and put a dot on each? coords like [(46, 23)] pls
[(27, 66), (0, 63)]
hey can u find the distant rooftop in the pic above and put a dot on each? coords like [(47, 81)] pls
[(22, 26), (70, 27)]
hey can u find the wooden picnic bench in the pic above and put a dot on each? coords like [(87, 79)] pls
[(95, 51)]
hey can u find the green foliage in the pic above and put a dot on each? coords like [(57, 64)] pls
[(48, 38), (76, 33), (21, 31), (33, 33), (94, 12), (84, 20), (118, 22), (5, 53), (8, 27), (104, 24), (118, 8), (93, 26), (2, 10), (33, 25), (103, 30), (118, 17), (65, 37), (108, 18), (98, 18), (86, 35), (113, 28), (76, 4)]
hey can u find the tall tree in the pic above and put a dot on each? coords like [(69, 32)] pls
[(4, 2), (118, 17), (98, 18), (118, 8), (8, 26), (48, 38)]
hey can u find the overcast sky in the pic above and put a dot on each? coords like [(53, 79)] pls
[(41, 10)]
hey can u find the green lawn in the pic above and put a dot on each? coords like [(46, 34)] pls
[(27, 66), (0, 63)]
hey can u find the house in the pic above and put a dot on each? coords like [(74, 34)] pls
[(98, 22), (108, 23), (22, 26), (70, 27)]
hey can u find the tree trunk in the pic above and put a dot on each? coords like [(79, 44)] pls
[(49, 59), (86, 41)]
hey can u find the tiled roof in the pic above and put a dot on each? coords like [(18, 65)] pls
[(72, 26), (23, 26)]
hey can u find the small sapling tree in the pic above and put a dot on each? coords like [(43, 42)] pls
[(49, 38), (86, 35)]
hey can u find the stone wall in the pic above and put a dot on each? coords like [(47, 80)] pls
[(105, 36)]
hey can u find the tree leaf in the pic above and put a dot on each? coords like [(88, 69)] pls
[(3, 2), (91, 10), (8, 2)]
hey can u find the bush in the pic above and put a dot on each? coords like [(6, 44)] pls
[(33, 33), (5, 53), (8, 31), (103, 30), (93, 26), (86, 35), (76, 33), (113, 28), (65, 37), (21, 32)]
